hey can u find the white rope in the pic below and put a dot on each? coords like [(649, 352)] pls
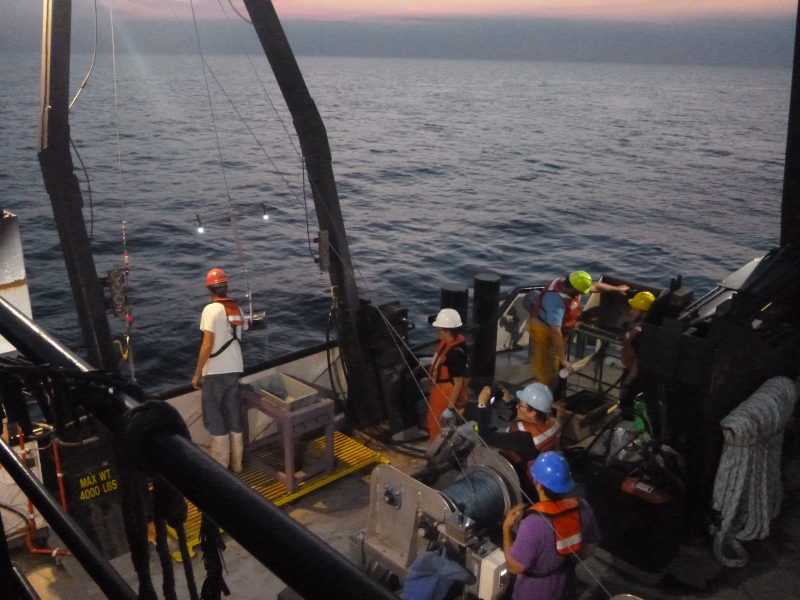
[(747, 489)]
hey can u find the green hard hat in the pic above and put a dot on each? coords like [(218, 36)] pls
[(581, 281)]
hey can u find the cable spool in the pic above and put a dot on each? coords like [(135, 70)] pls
[(482, 493)]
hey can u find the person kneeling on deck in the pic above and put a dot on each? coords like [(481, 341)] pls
[(447, 371), (551, 536), (630, 386), (533, 417), (219, 367), (554, 314)]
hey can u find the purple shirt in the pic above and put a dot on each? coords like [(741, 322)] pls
[(535, 549)]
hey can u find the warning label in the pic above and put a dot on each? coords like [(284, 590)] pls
[(96, 484)]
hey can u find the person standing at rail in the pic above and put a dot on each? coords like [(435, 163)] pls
[(551, 535), (447, 371), (630, 386), (554, 314), (219, 367)]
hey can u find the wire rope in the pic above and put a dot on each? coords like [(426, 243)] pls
[(231, 213), (252, 133), (241, 16), (124, 225), (91, 66)]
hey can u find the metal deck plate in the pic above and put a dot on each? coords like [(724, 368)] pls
[(349, 457)]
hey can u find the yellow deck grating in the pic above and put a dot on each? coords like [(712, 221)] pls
[(349, 457)]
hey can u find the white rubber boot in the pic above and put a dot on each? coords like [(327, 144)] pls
[(237, 447), (220, 449)]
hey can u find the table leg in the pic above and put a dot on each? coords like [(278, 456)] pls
[(329, 459), (288, 455)]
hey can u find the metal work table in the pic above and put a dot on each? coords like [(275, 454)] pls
[(291, 425)]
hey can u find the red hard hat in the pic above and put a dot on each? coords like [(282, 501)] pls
[(215, 277)]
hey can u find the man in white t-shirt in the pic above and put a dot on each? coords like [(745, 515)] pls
[(220, 366)]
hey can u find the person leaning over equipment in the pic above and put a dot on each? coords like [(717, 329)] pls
[(551, 535), (447, 370), (219, 367), (554, 314), (630, 387), (533, 417)]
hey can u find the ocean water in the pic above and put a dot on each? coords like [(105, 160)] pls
[(445, 169)]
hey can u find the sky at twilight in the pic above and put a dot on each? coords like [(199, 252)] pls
[(618, 10)]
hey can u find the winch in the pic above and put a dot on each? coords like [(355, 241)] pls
[(408, 517)]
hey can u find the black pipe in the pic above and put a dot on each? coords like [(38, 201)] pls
[(299, 558), (790, 205), (76, 540), (33, 341), (302, 560), (7, 569), (485, 304), (455, 296), (26, 590)]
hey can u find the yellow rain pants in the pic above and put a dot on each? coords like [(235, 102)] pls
[(544, 360)]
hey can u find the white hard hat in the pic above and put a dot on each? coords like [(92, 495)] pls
[(538, 396), (447, 319)]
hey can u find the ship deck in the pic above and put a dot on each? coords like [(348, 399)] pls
[(339, 508)]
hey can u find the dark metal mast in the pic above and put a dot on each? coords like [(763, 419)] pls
[(790, 206), (62, 186), (364, 396)]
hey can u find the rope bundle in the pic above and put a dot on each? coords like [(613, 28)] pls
[(747, 489)]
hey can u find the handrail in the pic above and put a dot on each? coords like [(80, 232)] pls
[(298, 557)]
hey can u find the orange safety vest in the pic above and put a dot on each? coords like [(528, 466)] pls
[(628, 354), (442, 386), (572, 304), (235, 319), (566, 520), (546, 436), (232, 310)]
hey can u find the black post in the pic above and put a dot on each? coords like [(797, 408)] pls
[(485, 304), (455, 296), (790, 206), (62, 186), (363, 393)]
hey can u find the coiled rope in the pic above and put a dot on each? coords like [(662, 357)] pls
[(747, 489)]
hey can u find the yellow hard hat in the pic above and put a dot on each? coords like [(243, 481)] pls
[(581, 281), (642, 301)]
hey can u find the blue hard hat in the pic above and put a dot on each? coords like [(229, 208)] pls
[(551, 470)]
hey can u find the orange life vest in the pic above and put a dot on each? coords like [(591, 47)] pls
[(572, 304), (628, 354), (439, 372), (566, 520), (442, 386), (235, 319), (546, 436), (232, 311)]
